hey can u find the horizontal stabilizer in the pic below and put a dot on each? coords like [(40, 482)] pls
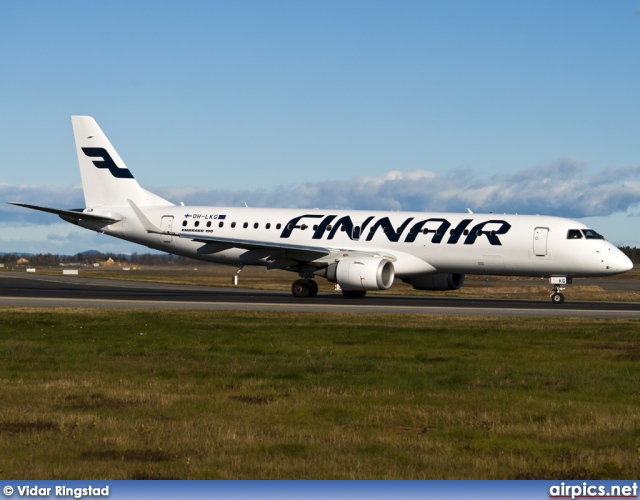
[(70, 215)]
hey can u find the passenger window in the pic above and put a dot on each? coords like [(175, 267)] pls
[(208, 223), (245, 225), (574, 234), (184, 223), (329, 227), (220, 224), (303, 227), (315, 227), (278, 225), (466, 232), (233, 224), (268, 225), (342, 228), (197, 223), (255, 226)]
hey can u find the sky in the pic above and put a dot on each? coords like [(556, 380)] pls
[(497, 106)]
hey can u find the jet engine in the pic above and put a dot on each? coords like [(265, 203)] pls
[(439, 281), (362, 273)]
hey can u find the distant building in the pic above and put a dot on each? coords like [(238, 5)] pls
[(22, 261), (110, 262)]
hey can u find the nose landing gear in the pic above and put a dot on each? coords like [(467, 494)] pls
[(556, 296)]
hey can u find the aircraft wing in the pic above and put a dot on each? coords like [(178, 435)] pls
[(281, 254), (254, 244), (73, 216)]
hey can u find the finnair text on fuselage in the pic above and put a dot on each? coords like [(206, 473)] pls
[(325, 227)]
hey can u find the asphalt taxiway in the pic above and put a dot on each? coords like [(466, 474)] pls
[(32, 290)]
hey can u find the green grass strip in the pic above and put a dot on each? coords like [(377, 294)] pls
[(221, 394)]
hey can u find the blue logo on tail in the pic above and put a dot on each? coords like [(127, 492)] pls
[(107, 162)]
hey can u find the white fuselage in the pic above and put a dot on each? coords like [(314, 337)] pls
[(492, 244)]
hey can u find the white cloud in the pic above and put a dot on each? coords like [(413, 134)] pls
[(565, 188)]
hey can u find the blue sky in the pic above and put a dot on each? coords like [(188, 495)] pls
[(519, 107)]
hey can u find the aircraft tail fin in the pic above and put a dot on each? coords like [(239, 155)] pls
[(106, 180)]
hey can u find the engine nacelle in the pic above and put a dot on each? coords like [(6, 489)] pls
[(439, 281), (362, 273)]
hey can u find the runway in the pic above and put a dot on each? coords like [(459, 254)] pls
[(30, 290)]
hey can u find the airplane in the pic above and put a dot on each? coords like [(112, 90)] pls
[(360, 250)]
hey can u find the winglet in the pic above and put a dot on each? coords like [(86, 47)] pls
[(146, 223)]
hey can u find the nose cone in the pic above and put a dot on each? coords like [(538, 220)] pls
[(619, 262), (625, 263)]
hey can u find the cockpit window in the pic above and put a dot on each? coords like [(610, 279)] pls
[(590, 234), (574, 234)]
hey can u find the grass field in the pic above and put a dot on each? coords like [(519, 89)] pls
[(183, 394)]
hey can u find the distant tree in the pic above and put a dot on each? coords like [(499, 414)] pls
[(10, 258)]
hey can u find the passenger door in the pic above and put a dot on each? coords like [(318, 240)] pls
[(166, 225), (540, 241)]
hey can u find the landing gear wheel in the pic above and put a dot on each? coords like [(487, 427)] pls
[(556, 296), (313, 288), (301, 288), (354, 294)]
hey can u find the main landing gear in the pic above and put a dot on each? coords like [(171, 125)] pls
[(353, 294), (304, 288), (307, 288)]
